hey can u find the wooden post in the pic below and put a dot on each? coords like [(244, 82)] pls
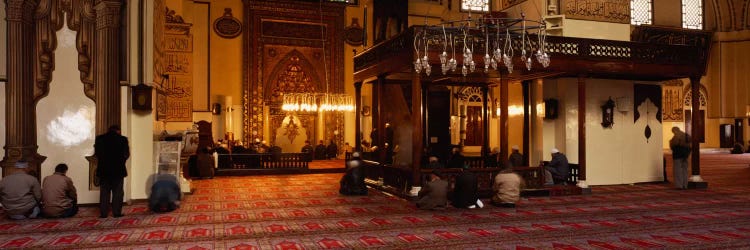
[(358, 116), (503, 120), (485, 123), (380, 124), (416, 120), (695, 181), (526, 122), (582, 131)]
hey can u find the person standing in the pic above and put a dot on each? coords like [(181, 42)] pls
[(111, 150), (680, 145), (59, 194), (20, 193)]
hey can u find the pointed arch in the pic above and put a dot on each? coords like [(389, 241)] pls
[(292, 61)]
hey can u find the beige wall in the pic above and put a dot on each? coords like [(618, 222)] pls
[(617, 155), (667, 13)]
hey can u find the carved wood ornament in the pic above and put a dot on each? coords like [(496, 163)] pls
[(49, 19), (30, 65)]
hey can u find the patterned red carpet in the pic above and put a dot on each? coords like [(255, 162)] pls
[(306, 212)]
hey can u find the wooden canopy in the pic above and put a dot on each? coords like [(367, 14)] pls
[(570, 57)]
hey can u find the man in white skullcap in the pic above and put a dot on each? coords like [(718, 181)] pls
[(515, 158), (558, 167), (20, 193)]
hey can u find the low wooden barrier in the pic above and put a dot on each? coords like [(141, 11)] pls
[(264, 161)]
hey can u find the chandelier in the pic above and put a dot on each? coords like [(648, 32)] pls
[(315, 102), (499, 38)]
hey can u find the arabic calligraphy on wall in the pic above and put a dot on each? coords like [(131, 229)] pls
[(177, 83), (614, 11)]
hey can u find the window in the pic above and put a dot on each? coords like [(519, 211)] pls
[(640, 12), (692, 14), (475, 5)]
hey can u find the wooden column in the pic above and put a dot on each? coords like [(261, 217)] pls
[(20, 108), (526, 120), (485, 122), (379, 124), (358, 116), (503, 120), (582, 129), (107, 67), (416, 120), (695, 180)]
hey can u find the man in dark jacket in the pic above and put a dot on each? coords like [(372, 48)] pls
[(165, 193), (516, 158), (320, 151), (558, 167), (456, 159), (111, 150), (434, 194), (308, 150), (465, 192), (353, 181), (332, 150)]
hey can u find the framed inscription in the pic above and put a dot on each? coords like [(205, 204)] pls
[(227, 26), (613, 11)]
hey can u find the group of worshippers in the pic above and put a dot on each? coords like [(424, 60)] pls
[(22, 196), (321, 151), (436, 192)]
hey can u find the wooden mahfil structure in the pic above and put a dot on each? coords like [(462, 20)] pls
[(655, 54)]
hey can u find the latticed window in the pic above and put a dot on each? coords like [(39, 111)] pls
[(640, 12), (692, 14), (475, 5)]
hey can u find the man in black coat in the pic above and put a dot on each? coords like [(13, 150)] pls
[(353, 181), (465, 192), (111, 150), (558, 167), (320, 151)]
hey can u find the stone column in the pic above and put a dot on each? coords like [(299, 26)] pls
[(695, 180), (107, 66), (20, 106)]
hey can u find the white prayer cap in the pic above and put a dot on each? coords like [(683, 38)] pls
[(515, 147), (555, 151), (22, 164), (355, 154)]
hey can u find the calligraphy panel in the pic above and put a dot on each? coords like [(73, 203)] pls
[(179, 98), (672, 101), (614, 11)]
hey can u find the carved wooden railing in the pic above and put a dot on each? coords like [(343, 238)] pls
[(264, 161), (401, 46), (395, 179)]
